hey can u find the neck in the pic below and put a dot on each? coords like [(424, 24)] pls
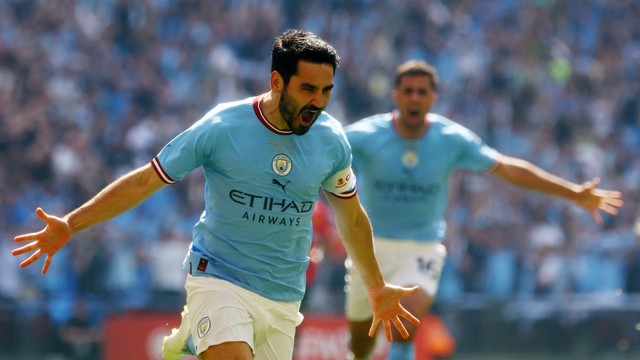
[(269, 104), (409, 132)]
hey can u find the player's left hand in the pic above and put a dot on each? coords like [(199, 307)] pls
[(385, 302), (593, 200), (47, 241)]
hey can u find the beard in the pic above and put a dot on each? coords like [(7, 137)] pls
[(290, 114)]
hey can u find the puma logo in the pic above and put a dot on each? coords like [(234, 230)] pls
[(282, 186)]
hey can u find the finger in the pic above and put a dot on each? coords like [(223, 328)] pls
[(400, 327), (596, 216), (411, 318), (24, 249), (27, 237), (47, 263), (617, 202), (31, 259), (612, 210), (614, 194), (387, 330), (42, 215), (374, 326), (409, 291)]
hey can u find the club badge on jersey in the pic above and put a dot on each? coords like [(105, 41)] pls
[(281, 165)]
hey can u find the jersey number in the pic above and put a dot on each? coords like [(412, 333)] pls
[(429, 267)]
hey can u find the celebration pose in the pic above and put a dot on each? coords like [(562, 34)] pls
[(404, 184), (264, 165)]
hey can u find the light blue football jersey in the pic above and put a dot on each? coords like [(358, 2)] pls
[(261, 187), (404, 184)]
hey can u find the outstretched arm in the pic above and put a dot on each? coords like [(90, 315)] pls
[(354, 228), (522, 173), (118, 197)]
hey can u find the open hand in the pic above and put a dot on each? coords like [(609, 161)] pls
[(385, 302), (593, 199), (47, 241)]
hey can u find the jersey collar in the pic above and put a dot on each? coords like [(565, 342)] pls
[(395, 118), (263, 119)]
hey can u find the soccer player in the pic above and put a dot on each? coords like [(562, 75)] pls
[(404, 160), (264, 165)]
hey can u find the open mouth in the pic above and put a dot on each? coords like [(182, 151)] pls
[(308, 116)]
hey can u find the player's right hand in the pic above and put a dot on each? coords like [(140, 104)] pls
[(47, 241)]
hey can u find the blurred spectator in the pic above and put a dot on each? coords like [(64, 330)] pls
[(80, 336), (167, 290), (325, 275), (632, 276)]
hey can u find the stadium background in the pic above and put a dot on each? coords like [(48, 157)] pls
[(91, 89)]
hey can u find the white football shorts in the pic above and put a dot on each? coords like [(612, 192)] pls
[(220, 312), (402, 263)]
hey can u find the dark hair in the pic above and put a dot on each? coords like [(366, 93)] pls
[(417, 68), (295, 45)]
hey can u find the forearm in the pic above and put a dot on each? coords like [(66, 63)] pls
[(123, 194), (354, 228), (523, 174), (358, 241)]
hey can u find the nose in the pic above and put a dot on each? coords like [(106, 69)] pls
[(319, 99), (414, 95)]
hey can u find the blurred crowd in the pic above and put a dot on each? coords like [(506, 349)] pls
[(90, 89)]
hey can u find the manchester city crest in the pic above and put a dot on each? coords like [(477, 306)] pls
[(410, 159), (281, 164), (204, 325)]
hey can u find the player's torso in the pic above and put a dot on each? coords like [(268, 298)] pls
[(261, 189), (403, 183), (261, 177), (396, 170)]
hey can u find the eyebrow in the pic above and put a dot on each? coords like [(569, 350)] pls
[(405, 88), (311, 86)]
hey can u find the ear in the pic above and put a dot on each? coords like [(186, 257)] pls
[(276, 82), (394, 95)]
